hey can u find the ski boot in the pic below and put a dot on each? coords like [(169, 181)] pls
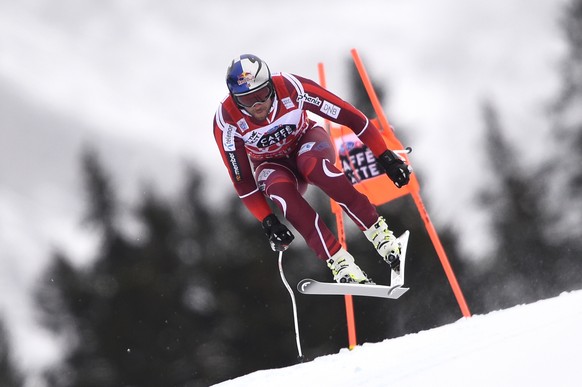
[(385, 243), (345, 270)]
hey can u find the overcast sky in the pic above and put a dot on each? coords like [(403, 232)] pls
[(144, 78)]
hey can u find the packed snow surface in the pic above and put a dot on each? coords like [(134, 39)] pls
[(538, 344)]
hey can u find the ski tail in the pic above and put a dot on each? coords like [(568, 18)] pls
[(397, 277)]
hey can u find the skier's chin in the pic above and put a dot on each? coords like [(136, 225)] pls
[(260, 115), (261, 118)]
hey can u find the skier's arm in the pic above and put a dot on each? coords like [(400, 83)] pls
[(237, 163), (239, 168), (341, 112)]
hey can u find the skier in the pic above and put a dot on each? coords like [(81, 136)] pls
[(273, 149)]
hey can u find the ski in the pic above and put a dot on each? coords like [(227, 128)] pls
[(397, 278), (310, 286), (394, 291)]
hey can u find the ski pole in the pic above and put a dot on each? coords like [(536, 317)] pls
[(300, 353)]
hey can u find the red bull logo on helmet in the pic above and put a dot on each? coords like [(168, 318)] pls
[(245, 77)]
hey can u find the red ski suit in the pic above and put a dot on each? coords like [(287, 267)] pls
[(279, 156)]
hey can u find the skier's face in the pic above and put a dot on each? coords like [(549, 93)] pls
[(260, 110), (258, 103)]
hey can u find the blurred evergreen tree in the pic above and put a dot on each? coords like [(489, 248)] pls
[(103, 207), (567, 114), (10, 376), (521, 269), (528, 263), (193, 299), (135, 316)]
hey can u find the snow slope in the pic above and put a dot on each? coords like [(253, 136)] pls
[(539, 344)]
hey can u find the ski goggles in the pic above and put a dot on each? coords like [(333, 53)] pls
[(256, 96)]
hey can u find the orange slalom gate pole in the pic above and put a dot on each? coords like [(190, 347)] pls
[(336, 209), (442, 255), (415, 194)]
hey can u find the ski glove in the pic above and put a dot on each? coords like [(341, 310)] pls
[(395, 168), (279, 235)]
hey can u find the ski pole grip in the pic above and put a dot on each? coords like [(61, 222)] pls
[(406, 150)]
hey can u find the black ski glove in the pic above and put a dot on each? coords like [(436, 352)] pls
[(279, 235), (395, 168)]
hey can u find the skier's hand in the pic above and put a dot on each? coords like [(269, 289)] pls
[(279, 235), (395, 168)]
